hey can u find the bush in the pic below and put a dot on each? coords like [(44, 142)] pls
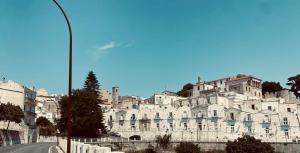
[(248, 144), (163, 141), (187, 147)]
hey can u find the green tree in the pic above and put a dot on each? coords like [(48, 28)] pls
[(187, 147), (269, 86), (91, 83), (11, 113), (185, 91), (248, 144), (294, 83), (87, 116), (45, 126)]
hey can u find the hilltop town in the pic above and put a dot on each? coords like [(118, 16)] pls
[(214, 111)]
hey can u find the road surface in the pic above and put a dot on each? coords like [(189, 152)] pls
[(29, 148)]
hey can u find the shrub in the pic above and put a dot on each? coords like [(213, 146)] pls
[(248, 144), (163, 141), (187, 147)]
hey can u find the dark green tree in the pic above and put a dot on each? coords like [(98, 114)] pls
[(185, 91), (11, 113), (248, 144), (269, 86), (91, 83), (45, 126), (87, 116), (294, 83)]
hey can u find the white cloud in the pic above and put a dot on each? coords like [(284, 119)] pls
[(104, 49), (107, 46)]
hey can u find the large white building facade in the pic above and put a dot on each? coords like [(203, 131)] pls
[(17, 94), (218, 110)]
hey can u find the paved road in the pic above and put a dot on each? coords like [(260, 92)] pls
[(29, 148)]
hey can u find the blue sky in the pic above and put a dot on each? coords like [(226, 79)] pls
[(145, 46)]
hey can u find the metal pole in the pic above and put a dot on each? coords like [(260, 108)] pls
[(69, 106)]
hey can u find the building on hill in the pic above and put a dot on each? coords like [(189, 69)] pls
[(47, 105), (219, 111), (17, 94)]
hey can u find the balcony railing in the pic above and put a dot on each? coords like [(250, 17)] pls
[(266, 121), (285, 124), (248, 119)]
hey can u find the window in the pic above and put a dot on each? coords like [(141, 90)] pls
[(133, 117), (288, 109), (200, 126), (133, 127), (267, 131), (110, 118), (157, 125), (157, 115), (145, 127), (285, 121), (198, 87), (270, 108), (215, 113), (266, 119), (286, 133), (231, 116), (249, 129), (232, 129), (197, 103), (253, 107), (248, 117), (185, 126), (171, 126), (170, 115)]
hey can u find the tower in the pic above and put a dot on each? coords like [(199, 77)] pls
[(115, 95)]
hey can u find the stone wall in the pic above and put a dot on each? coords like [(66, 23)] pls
[(139, 145)]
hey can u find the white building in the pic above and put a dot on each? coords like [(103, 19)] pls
[(220, 112), (47, 105), (17, 94)]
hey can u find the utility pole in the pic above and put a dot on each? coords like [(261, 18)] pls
[(69, 105)]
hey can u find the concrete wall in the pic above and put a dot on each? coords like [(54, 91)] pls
[(139, 145), (80, 147)]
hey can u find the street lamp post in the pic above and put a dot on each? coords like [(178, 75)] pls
[(69, 106)]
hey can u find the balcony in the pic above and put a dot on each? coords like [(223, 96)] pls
[(266, 121), (184, 118), (157, 118), (285, 124), (199, 119), (248, 119), (231, 119), (132, 120), (170, 119), (215, 116)]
